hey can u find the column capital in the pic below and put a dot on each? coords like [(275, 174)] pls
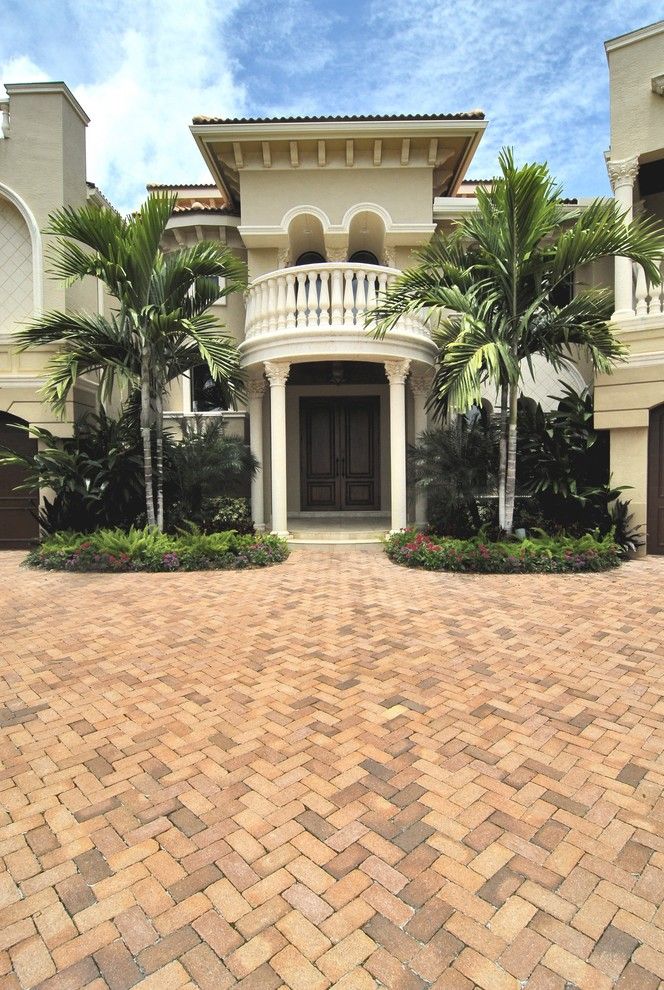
[(397, 371), (420, 382), (255, 387), (277, 372), (623, 172)]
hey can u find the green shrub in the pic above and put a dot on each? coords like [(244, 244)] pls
[(149, 550), (539, 554)]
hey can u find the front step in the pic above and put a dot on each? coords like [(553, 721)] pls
[(335, 537)]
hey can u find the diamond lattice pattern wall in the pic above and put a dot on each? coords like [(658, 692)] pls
[(15, 267)]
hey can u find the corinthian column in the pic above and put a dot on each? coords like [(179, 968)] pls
[(420, 384), (255, 390), (622, 175), (277, 373), (396, 372)]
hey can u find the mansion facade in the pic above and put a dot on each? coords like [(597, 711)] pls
[(326, 211)]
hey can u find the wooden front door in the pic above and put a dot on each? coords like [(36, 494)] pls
[(339, 453), (655, 541), (18, 523)]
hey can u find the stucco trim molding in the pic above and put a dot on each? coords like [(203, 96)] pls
[(37, 250)]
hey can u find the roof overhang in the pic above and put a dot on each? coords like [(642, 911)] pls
[(446, 145)]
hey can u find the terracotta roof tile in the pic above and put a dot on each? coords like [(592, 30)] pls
[(180, 185), (467, 115), (222, 210)]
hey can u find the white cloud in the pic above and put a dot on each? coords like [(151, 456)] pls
[(171, 64), (152, 66)]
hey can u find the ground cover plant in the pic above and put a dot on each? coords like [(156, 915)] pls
[(538, 554), (148, 549)]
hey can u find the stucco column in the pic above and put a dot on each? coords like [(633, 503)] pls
[(397, 372), (255, 390), (420, 384), (622, 175), (277, 374)]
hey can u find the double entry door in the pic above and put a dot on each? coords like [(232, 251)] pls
[(340, 453)]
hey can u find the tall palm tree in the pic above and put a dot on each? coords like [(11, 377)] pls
[(489, 288), (159, 325)]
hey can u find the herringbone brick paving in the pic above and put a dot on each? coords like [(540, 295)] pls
[(333, 773)]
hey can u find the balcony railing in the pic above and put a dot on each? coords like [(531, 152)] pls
[(648, 299), (324, 297)]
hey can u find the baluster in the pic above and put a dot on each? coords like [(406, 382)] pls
[(312, 299), (271, 303), (360, 297), (324, 301), (349, 300), (337, 297), (301, 301), (262, 308), (249, 312), (657, 301), (641, 292), (290, 302), (281, 302), (265, 309)]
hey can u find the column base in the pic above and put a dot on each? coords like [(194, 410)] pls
[(622, 314), (283, 533), (260, 527)]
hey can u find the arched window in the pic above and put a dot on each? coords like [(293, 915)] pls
[(364, 258), (310, 258)]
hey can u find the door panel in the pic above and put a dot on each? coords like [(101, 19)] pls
[(655, 541), (360, 454), (339, 453), (18, 525), (318, 442)]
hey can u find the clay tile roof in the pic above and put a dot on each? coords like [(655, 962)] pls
[(221, 210), (181, 185), (468, 115)]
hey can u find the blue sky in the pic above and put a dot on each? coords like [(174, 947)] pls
[(143, 68)]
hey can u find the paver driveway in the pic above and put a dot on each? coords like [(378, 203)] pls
[(332, 773)]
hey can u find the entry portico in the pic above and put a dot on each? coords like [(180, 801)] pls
[(331, 210)]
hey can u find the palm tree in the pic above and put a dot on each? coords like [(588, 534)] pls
[(159, 327), (489, 288)]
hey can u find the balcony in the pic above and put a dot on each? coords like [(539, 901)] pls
[(314, 312)]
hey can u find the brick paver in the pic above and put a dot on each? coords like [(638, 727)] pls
[(333, 773)]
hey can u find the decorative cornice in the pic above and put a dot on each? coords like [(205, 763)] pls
[(623, 173), (277, 372), (397, 371), (255, 387)]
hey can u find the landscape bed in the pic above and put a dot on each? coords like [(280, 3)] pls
[(114, 550), (538, 554)]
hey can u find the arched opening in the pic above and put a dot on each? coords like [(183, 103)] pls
[(655, 496), (366, 236), (310, 258), (364, 258), (306, 236), (18, 509), (16, 264)]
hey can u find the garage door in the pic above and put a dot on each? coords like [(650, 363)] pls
[(18, 525)]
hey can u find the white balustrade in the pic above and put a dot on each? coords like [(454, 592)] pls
[(320, 298), (648, 299)]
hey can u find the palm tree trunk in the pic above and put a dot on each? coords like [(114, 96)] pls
[(510, 478), (159, 406), (146, 435), (502, 463)]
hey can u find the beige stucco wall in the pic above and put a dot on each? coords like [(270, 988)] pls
[(637, 114), (42, 163), (268, 195)]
